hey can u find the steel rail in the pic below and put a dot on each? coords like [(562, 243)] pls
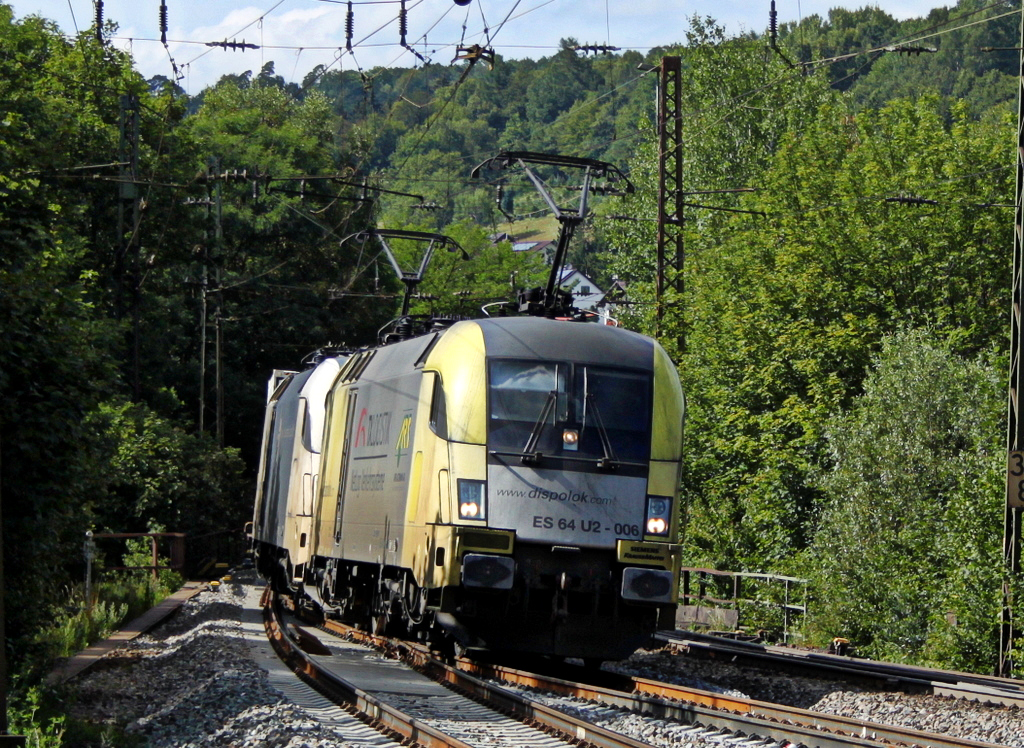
[(968, 686), (787, 725), (574, 730), (341, 691), (748, 716)]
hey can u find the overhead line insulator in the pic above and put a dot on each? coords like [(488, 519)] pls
[(349, 26), (595, 48), (773, 29), (233, 45), (902, 50)]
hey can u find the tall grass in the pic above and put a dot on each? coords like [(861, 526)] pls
[(116, 597)]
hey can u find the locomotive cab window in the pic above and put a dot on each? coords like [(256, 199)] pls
[(575, 411)]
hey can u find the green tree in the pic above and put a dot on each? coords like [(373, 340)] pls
[(559, 85), (784, 315), (160, 477), (274, 260), (58, 356), (906, 558)]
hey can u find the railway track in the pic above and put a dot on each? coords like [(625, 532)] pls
[(431, 702), (891, 676)]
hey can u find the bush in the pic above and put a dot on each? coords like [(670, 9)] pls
[(27, 717)]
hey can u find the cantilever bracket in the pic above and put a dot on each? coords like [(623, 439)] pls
[(411, 279)]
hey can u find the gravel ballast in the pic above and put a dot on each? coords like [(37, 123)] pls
[(207, 677)]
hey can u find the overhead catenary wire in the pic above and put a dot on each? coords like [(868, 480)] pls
[(835, 204), (947, 31), (878, 50), (914, 39), (509, 16)]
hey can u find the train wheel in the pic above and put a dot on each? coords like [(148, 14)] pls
[(386, 618), (379, 624), (450, 649)]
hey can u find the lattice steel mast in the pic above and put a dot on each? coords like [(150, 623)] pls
[(1015, 424), (670, 183)]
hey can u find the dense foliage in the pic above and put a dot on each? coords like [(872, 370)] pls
[(839, 328), (903, 557)]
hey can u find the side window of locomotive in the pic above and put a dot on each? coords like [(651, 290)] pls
[(439, 410), (620, 403), (306, 425), (526, 398), (269, 474)]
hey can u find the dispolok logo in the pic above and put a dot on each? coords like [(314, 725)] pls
[(565, 497), (404, 437)]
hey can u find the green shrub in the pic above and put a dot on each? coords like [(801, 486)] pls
[(27, 718)]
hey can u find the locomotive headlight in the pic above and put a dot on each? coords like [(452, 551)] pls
[(472, 499), (571, 439), (659, 515)]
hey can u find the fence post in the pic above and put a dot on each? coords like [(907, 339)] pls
[(156, 559), (90, 554), (785, 617)]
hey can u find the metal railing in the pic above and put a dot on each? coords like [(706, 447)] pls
[(730, 590)]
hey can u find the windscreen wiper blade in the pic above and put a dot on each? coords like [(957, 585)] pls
[(608, 461), (530, 454)]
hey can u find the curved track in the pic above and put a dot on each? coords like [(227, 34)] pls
[(486, 704), (981, 688)]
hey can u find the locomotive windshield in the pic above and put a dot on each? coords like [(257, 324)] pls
[(569, 410)]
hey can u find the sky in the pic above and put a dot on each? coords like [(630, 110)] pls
[(297, 35)]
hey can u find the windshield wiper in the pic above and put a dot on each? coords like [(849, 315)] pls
[(529, 454), (608, 461)]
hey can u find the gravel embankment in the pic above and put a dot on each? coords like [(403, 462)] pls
[(946, 716), (199, 680)]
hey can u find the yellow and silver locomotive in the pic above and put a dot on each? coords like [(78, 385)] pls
[(507, 484)]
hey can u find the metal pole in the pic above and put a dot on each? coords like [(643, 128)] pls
[(218, 243), (219, 380), (90, 554), (3, 617), (670, 180), (1015, 424), (202, 346), (5, 739)]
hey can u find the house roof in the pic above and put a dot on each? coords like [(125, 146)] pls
[(530, 246)]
